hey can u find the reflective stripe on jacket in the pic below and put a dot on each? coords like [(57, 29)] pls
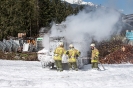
[(59, 51), (95, 55), (72, 54)]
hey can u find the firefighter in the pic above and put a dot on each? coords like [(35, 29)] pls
[(59, 51), (73, 54), (94, 56)]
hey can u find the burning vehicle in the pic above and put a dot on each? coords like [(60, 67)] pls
[(49, 43)]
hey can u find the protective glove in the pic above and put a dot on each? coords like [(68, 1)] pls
[(55, 54), (95, 58), (77, 56)]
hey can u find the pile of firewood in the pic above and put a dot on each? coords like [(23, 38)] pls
[(107, 47), (122, 55)]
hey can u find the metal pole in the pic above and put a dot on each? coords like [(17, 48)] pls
[(102, 65)]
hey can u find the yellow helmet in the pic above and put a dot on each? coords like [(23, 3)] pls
[(93, 45), (71, 46)]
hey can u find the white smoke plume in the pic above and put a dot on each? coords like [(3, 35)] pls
[(45, 41), (80, 28)]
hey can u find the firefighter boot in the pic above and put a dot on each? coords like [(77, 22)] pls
[(76, 69)]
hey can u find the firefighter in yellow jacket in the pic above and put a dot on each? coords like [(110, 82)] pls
[(59, 51), (73, 54), (94, 56)]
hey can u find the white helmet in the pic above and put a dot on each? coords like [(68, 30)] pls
[(60, 43), (93, 45), (71, 45)]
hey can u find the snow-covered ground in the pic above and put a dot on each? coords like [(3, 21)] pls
[(30, 74)]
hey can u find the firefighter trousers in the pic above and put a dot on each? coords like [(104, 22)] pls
[(72, 65), (58, 65), (94, 64)]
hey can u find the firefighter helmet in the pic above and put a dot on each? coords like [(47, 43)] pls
[(71, 46), (93, 45), (60, 43)]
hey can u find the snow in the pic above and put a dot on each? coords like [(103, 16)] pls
[(30, 74), (70, 1), (81, 2), (88, 3)]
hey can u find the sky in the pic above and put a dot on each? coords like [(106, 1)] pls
[(30, 74), (124, 5)]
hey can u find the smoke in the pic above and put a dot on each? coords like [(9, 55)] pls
[(81, 28), (45, 41), (56, 30)]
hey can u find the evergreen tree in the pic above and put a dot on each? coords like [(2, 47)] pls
[(30, 15)]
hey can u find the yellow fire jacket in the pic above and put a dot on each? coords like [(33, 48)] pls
[(73, 54), (95, 55), (59, 51)]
